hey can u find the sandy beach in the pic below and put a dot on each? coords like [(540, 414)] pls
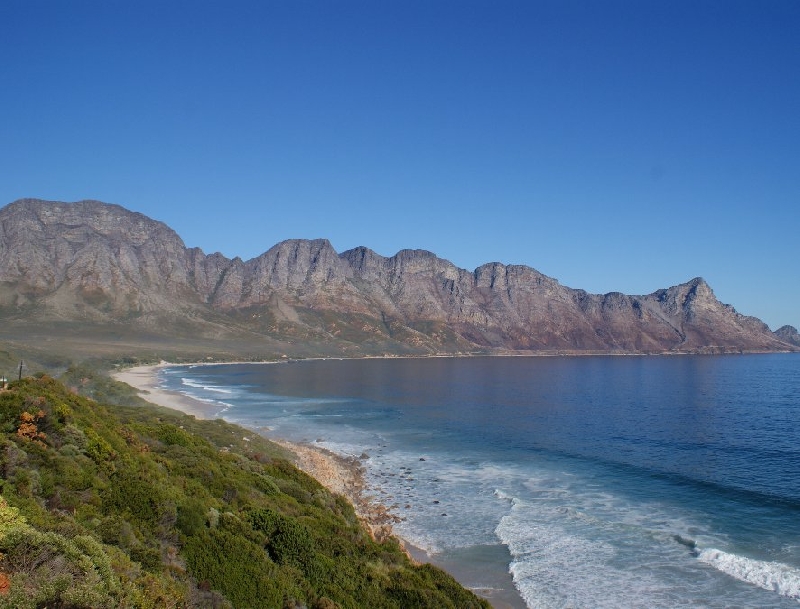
[(145, 379), (344, 476)]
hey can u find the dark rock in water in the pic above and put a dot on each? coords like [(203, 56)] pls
[(689, 543)]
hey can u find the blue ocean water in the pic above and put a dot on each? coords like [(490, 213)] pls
[(594, 481)]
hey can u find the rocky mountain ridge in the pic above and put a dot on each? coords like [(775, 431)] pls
[(96, 263), (788, 334)]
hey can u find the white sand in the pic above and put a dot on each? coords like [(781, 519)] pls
[(145, 379)]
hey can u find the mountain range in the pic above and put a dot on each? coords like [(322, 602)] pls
[(92, 269)]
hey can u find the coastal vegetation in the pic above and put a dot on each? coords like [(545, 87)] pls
[(108, 501)]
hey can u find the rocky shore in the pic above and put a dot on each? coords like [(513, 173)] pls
[(345, 477)]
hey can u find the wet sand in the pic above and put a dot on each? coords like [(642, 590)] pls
[(336, 473)]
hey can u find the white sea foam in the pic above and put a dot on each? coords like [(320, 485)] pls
[(774, 576), (197, 398), (196, 385), (444, 504), (222, 407), (554, 567), (573, 546), (579, 534), (225, 408)]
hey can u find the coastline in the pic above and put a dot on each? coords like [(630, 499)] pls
[(340, 475), (145, 380), (336, 473)]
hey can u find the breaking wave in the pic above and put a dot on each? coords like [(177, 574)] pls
[(773, 576), (196, 385)]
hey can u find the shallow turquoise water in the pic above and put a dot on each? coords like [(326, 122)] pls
[(594, 481)]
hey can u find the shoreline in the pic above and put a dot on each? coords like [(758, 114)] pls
[(340, 475), (336, 473)]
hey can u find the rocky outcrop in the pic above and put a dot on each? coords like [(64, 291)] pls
[(788, 334), (94, 261), (70, 255)]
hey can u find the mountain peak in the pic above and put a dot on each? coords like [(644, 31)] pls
[(91, 262), (789, 335)]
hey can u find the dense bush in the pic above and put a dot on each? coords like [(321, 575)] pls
[(140, 506), (236, 566)]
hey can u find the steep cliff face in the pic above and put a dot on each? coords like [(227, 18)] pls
[(70, 255), (90, 260), (296, 267)]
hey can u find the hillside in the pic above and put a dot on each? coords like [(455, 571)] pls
[(788, 334), (137, 506), (101, 278)]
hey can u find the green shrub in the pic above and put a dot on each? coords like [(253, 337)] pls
[(291, 544), (11, 405), (98, 449), (49, 569), (135, 494), (191, 516), (235, 566), (63, 413), (173, 435), (115, 529), (10, 518), (146, 507), (146, 555), (74, 435), (266, 485)]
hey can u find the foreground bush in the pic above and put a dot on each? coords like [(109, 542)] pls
[(138, 506)]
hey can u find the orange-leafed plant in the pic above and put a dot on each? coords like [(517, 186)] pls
[(28, 427)]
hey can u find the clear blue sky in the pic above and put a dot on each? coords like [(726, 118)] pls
[(616, 146)]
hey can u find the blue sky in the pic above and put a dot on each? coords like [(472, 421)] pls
[(614, 145)]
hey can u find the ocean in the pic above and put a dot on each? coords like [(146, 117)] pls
[(614, 481)]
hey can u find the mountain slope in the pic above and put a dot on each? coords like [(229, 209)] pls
[(788, 334), (101, 264)]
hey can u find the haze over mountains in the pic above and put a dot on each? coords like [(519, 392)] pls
[(94, 268)]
